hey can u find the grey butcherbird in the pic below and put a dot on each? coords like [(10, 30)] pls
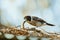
[(35, 21)]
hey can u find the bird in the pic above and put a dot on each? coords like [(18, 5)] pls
[(36, 21)]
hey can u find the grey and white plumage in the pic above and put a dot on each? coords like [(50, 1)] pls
[(36, 21)]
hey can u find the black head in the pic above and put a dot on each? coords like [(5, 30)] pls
[(27, 18)]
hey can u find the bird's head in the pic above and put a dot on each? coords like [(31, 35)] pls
[(27, 18)]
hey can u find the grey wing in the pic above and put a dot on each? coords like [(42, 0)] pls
[(38, 19), (34, 18)]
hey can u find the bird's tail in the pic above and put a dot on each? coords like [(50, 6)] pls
[(50, 24)]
